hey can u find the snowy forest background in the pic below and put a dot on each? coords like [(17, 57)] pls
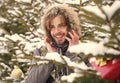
[(21, 33)]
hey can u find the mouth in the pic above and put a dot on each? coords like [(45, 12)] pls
[(58, 36)]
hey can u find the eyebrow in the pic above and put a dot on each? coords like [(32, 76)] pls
[(62, 23)]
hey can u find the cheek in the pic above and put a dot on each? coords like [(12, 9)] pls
[(51, 32), (65, 32)]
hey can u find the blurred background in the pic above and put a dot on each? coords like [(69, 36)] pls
[(21, 33)]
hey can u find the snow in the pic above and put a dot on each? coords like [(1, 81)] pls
[(70, 63), (105, 27), (40, 31), (3, 19), (95, 10), (106, 36), (3, 45), (65, 60), (110, 10), (3, 50), (86, 48), (71, 1), (28, 46), (27, 1), (70, 78), (14, 37), (93, 48), (13, 12), (55, 57)]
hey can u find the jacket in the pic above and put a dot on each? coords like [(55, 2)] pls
[(42, 73)]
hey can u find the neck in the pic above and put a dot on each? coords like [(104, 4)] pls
[(66, 43), (62, 48)]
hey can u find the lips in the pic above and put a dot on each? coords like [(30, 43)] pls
[(59, 37)]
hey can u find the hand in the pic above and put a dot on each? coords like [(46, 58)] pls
[(74, 40), (50, 48)]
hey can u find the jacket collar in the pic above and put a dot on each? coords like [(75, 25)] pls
[(61, 49)]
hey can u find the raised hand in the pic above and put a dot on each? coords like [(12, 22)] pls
[(50, 48), (74, 40)]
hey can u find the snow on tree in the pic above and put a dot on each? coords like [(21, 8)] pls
[(20, 34)]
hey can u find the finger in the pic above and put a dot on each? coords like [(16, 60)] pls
[(74, 32), (46, 40), (68, 39), (71, 35)]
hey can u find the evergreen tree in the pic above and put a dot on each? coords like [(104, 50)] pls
[(21, 33)]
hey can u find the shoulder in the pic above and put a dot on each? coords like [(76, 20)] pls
[(40, 50)]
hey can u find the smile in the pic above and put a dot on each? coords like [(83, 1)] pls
[(59, 36)]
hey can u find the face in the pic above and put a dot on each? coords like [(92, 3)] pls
[(58, 29)]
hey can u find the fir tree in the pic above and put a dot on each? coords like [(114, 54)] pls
[(21, 33)]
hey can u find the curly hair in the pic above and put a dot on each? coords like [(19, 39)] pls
[(70, 16)]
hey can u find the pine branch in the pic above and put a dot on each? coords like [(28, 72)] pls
[(108, 21)]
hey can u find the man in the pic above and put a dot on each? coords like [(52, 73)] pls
[(61, 26)]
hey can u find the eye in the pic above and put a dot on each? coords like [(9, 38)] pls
[(62, 25), (51, 26)]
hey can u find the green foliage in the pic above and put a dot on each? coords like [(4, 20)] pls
[(91, 78), (22, 16)]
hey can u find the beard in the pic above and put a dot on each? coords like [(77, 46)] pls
[(59, 38)]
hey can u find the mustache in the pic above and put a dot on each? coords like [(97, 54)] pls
[(59, 34)]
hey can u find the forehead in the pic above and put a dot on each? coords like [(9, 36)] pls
[(58, 18)]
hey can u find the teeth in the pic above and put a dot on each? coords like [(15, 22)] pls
[(58, 36)]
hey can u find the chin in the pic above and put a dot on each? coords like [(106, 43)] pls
[(59, 42)]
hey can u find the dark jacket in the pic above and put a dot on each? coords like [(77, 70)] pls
[(42, 73)]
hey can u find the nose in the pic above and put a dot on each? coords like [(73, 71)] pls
[(56, 30)]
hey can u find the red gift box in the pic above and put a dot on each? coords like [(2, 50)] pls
[(109, 71)]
